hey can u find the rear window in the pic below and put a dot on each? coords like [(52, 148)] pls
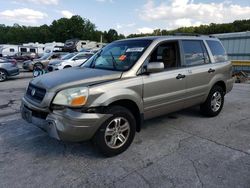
[(217, 50)]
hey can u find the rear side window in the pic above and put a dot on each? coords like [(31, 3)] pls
[(217, 51), (195, 52)]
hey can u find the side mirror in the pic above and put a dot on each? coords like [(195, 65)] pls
[(154, 67), (76, 58)]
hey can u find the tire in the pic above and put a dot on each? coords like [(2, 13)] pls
[(38, 65), (3, 75), (214, 102), (111, 130)]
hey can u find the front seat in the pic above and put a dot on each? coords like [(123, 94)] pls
[(168, 57)]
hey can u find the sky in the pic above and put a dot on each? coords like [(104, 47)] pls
[(125, 16)]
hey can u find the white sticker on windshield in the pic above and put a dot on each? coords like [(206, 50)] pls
[(139, 49)]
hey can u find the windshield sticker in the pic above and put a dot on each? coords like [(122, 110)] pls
[(122, 57), (139, 49)]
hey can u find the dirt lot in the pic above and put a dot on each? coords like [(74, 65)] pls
[(183, 149)]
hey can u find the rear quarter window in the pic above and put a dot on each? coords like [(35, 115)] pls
[(217, 50)]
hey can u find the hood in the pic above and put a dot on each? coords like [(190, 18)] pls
[(54, 62), (74, 76)]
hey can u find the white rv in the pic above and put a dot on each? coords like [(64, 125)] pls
[(52, 47), (8, 50)]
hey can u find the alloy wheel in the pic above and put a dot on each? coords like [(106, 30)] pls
[(117, 132), (216, 101), (2, 76)]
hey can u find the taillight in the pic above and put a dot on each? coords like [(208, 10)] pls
[(13, 62)]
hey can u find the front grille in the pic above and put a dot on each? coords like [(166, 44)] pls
[(35, 93)]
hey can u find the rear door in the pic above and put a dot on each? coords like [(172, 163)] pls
[(199, 70), (164, 92)]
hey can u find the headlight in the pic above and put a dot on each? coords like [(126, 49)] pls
[(58, 64), (74, 97)]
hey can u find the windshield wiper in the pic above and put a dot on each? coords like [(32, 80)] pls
[(113, 60), (92, 65)]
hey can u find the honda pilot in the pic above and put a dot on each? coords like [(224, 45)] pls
[(109, 97)]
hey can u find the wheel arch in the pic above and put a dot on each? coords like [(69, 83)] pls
[(5, 71), (133, 108), (222, 84)]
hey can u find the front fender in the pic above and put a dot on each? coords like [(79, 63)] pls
[(111, 96)]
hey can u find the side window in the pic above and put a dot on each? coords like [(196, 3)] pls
[(195, 52), (12, 50), (33, 50), (168, 53), (23, 49), (80, 56), (217, 50)]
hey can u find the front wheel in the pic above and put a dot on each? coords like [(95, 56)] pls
[(3, 75), (214, 103), (117, 133)]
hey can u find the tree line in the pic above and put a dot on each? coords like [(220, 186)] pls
[(77, 27), (60, 30), (236, 26)]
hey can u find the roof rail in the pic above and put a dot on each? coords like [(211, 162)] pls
[(192, 34), (187, 34)]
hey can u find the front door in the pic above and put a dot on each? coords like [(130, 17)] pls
[(165, 91)]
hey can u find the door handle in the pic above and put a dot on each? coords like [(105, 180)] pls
[(180, 76), (211, 70)]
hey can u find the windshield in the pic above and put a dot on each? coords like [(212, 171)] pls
[(44, 57), (68, 56), (120, 55)]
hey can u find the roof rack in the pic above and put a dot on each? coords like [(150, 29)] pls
[(192, 34)]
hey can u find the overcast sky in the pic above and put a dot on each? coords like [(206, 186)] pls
[(126, 16)]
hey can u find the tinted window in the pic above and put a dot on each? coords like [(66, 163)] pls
[(12, 50), (195, 52), (23, 49), (33, 50), (217, 51)]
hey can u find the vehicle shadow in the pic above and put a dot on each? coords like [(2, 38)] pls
[(42, 144), (188, 112)]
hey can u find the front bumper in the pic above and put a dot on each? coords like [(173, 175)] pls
[(67, 125)]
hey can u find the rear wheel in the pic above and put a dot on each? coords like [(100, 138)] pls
[(117, 133), (214, 103), (3, 75)]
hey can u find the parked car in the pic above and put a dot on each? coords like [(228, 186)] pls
[(42, 62), (21, 57), (8, 68), (69, 60), (127, 82)]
